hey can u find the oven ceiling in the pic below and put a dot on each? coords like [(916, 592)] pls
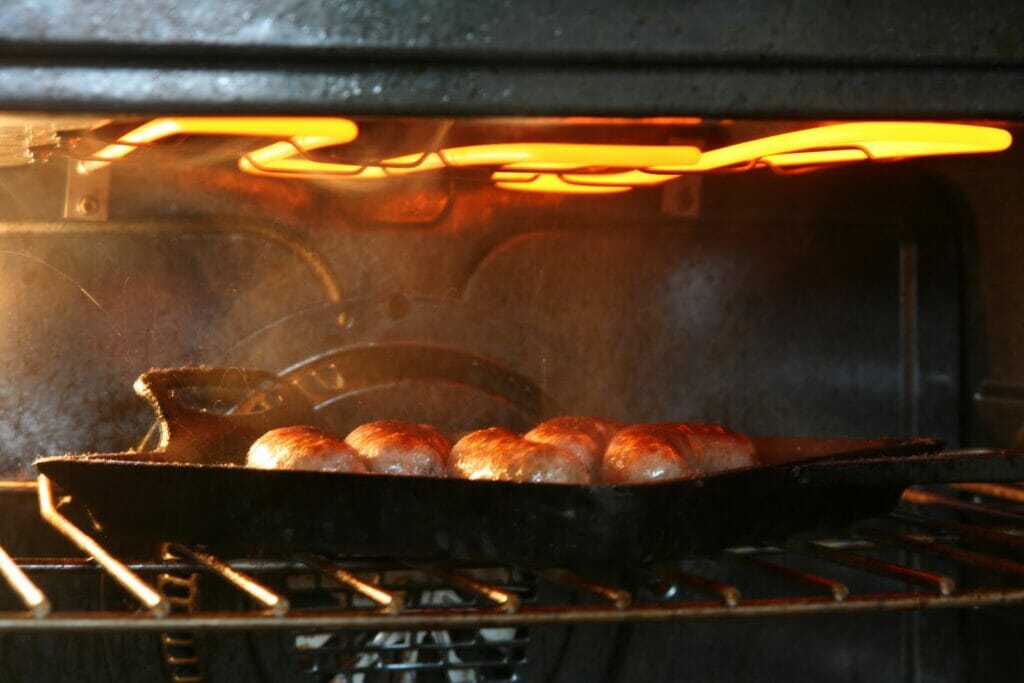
[(527, 57)]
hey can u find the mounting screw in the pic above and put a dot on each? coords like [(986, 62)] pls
[(682, 197), (87, 205)]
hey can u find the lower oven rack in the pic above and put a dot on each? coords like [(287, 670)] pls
[(974, 531)]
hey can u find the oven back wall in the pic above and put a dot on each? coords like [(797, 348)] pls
[(823, 303)]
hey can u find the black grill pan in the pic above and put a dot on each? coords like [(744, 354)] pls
[(194, 491)]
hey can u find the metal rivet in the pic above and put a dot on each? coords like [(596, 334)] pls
[(87, 205)]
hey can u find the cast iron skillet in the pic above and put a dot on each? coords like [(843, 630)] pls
[(193, 490)]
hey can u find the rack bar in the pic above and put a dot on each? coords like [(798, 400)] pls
[(277, 604), (179, 661), (619, 597), (17, 486), (390, 601), (506, 600), (962, 530), (33, 598), (448, 618), (178, 591), (729, 594), (837, 589), (949, 552), (151, 599), (1002, 491), (77, 564), (943, 584), (917, 497)]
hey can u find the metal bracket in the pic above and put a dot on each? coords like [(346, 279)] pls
[(87, 193), (681, 197)]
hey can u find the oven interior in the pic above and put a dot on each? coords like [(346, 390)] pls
[(845, 292)]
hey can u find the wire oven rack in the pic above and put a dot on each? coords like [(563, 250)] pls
[(972, 530), (944, 547)]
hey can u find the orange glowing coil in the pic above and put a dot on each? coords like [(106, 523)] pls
[(552, 183), (301, 133), (283, 160), (844, 142), (566, 167)]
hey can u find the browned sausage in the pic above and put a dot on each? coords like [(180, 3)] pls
[(585, 438), (674, 451), (718, 449), (403, 448), (498, 454), (647, 453), (303, 448)]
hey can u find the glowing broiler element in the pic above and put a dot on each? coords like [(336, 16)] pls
[(297, 133), (550, 182), (844, 142), (824, 145), (567, 167), (303, 135), (530, 157)]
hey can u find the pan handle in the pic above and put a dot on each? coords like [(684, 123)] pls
[(208, 415), (967, 465)]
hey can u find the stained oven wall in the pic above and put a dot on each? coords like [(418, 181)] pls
[(825, 303)]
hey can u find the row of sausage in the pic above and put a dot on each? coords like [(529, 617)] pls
[(563, 450)]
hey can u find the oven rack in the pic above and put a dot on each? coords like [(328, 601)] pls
[(957, 546)]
